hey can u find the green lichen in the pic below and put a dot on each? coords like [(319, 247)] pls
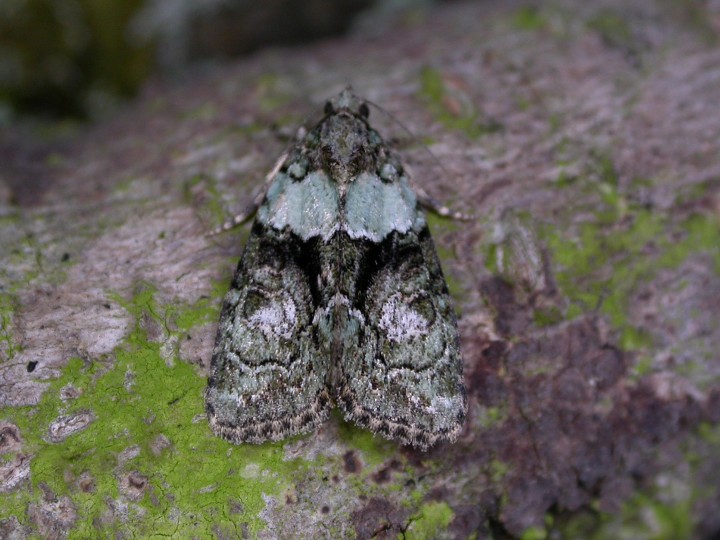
[(613, 27), (644, 517), (375, 450), (439, 226), (547, 316), (643, 366), (529, 18), (213, 204), (55, 159), (437, 97), (8, 345), (601, 265), (616, 32), (710, 433), (271, 94), (430, 521), (698, 16), (601, 262), (490, 257), (537, 532), (497, 470), (205, 111), (199, 482), (488, 417), (534, 533), (204, 310)]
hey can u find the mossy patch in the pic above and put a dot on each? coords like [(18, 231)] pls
[(8, 345), (534, 533), (196, 481), (663, 510), (271, 92), (644, 517), (612, 27), (439, 226), (375, 450), (529, 18), (547, 316), (602, 261), (212, 203), (497, 470), (431, 519), (454, 110), (489, 417)]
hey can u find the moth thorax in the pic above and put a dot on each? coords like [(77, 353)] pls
[(346, 150)]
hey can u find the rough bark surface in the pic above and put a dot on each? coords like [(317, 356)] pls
[(585, 137)]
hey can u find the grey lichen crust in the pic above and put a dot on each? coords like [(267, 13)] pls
[(338, 298)]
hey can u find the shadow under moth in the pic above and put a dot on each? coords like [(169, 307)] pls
[(338, 299)]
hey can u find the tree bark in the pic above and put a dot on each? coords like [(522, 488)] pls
[(585, 140)]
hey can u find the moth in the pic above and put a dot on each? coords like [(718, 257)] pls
[(338, 300)]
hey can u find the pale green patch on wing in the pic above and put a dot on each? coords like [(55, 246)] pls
[(310, 207), (374, 209)]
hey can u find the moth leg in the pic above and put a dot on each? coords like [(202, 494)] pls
[(249, 212), (432, 205)]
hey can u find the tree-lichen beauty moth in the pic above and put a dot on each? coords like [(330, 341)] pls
[(338, 300)]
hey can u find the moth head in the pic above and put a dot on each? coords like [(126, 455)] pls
[(347, 103), (344, 135)]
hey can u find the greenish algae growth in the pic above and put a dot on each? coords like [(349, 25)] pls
[(416, 497), (699, 17), (529, 18), (270, 92), (374, 449), (547, 316), (488, 417), (55, 159), (607, 259), (534, 533), (643, 366), (431, 519), (644, 517), (436, 95), (247, 129), (213, 201), (205, 111), (8, 346), (490, 257), (613, 28), (498, 469), (438, 227), (205, 309), (710, 433), (662, 512), (537, 532), (200, 481), (375, 453)]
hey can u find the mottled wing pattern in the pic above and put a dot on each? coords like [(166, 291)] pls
[(401, 374), (267, 379), (339, 296)]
